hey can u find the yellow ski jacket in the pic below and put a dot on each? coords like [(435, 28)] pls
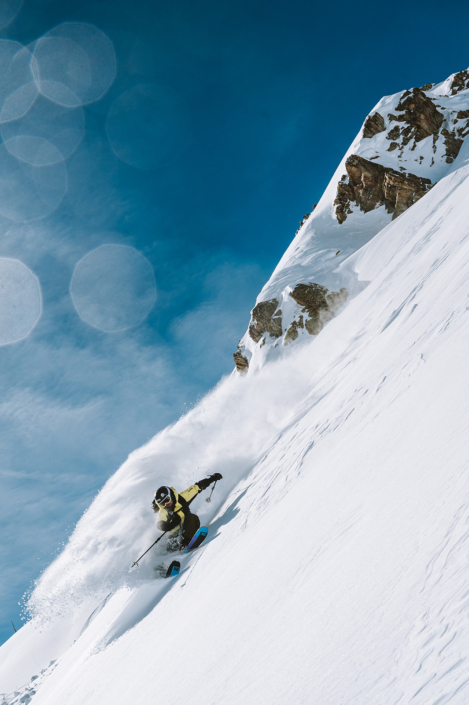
[(165, 516)]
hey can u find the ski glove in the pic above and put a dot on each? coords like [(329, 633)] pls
[(203, 484)]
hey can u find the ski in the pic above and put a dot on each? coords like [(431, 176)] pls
[(173, 569), (197, 539)]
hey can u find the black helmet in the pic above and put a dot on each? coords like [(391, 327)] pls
[(165, 498)]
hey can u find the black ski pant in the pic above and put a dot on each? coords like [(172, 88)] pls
[(191, 524)]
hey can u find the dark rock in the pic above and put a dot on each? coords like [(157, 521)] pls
[(305, 218), (311, 296), (373, 124), (407, 133), (366, 181), (453, 144), (371, 185), (393, 146), (464, 130), (460, 82), (394, 134), (265, 321), (345, 196), (292, 333), (241, 362), (427, 86), (420, 113), (401, 191), (318, 304)]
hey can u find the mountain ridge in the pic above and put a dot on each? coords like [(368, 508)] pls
[(406, 144)]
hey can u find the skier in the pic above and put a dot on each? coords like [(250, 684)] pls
[(174, 514)]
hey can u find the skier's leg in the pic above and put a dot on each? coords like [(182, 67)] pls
[(191, 524)]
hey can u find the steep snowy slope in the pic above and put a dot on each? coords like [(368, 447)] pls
[(408, 143), (336, 570)]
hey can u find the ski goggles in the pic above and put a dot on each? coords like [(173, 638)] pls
[(165, 501)]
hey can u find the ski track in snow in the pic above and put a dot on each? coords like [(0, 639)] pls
[(435, 653)]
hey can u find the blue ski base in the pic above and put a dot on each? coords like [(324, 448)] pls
[(173, 569), (197, 539)]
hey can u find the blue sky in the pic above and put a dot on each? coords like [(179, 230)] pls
[(221, 128)]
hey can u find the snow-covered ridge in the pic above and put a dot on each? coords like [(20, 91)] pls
[(408, 142)]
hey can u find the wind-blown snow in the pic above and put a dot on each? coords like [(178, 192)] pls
[(336, 565)]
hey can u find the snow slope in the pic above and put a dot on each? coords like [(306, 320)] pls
[(336, 566)]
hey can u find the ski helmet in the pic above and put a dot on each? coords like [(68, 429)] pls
[(165, 498)]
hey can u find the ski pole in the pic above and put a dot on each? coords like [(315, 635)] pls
[(210, 498), (155, 542)]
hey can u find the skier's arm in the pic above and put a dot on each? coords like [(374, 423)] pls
[(190, 493), (203, 484)]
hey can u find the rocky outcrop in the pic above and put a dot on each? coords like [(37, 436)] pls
[(373, 124), (292, 332), (420, 115), (264, 320), (370, 185), (463, 130), (241, 362), (343, 200), (304, 219), (394, 134), (460, 82), (365, 185), (319, 306), (452, 143), (401, 191)]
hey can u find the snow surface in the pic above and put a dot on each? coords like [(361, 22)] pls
[(336, 566)]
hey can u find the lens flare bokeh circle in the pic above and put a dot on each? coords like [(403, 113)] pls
[(20, 301), (113, 288), (74, 64)]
